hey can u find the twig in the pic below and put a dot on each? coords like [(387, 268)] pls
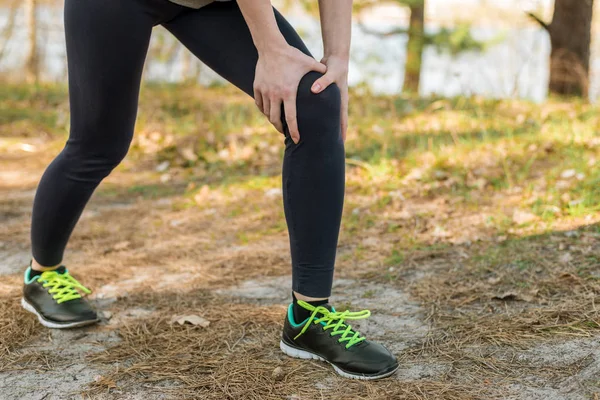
[(539, 21)]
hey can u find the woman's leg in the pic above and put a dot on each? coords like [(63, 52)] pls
[(313, 192), (313, 170), (107, 41)]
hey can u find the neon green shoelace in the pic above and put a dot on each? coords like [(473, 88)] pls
[(63, 287), (335, 321)]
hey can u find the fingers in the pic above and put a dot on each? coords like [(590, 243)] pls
[(275, 114), (266, 105), (258, 100), (317, 66), (321, 83), (290, 117)]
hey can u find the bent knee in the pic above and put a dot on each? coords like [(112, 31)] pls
[(95, 162), (325, 103), (318, 113)]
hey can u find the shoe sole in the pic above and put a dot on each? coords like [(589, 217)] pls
[(53, 324), (307, 355)]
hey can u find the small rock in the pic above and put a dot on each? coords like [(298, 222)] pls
[(278, 374)]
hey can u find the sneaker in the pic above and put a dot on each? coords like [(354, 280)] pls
[(326, 336), (55, 297)]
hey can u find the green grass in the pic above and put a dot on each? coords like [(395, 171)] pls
[(460, 146)]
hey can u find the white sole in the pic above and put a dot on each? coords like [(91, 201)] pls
[(54, 325), (306, 355)]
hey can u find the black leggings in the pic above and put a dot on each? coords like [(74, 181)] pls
[(107, 41)]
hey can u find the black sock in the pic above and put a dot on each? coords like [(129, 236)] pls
[(33, 273), (301, 313)]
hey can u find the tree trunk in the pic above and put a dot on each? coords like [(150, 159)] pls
[(416, 42), (570, 35), (31, 61)]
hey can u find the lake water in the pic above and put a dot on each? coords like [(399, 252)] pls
[(515, 67)]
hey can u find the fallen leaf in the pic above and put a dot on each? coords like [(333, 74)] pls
[(514, 296), (494, 280), (568, 174), (274, 192), (101, 380), (191, 319), (370, 242), (440, 232), (565, 258), (508, 296), (189, 154), (163, 166), (202, 195), (121, 245)]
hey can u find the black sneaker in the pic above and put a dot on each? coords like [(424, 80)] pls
[(54, 296), (327, 337)]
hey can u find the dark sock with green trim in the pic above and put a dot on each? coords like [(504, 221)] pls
[(33, 273), (301, 313)]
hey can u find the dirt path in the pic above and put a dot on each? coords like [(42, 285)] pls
[(56, 364), (470, 313)]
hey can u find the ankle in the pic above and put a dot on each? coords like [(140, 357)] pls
[(301, 313), (302, 297), (40, 268)]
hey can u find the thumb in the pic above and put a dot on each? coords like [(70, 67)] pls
[(322, 83)]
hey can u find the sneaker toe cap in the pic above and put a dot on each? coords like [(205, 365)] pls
[(375, 360)]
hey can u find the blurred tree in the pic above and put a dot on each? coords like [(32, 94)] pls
[(8, 30), (570, 36), (31, 60), (415, 46), (453, 40)]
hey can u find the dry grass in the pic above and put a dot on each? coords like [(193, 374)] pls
[(233, 358), (16, 327), (434, 187)]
